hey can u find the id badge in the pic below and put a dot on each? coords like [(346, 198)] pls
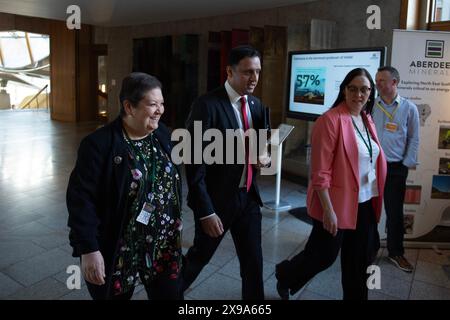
[(391, 126), (372, 176), (144, 216)]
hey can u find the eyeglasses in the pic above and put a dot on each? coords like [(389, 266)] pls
[(354, 90)]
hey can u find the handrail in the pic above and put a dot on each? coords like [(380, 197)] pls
[(35, 96)]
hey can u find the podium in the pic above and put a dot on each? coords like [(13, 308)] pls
[(276, 140)]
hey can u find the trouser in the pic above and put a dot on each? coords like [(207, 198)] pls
[(394, 196), (244, 223), (358, 250), (161, 288)]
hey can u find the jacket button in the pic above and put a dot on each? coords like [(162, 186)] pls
[(117, 159)]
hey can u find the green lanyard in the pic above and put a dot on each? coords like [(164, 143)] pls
[(138, 152), (368, 146)]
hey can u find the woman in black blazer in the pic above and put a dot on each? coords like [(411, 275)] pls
[(124, 200)]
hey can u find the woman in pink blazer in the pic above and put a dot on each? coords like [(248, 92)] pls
[(348, 172)]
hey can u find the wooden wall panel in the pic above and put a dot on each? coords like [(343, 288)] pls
[(274, 68), (7, 22), (33, 25), (86, 102), (256, 40), (225, 47), (62, 71), (213, 70), (239, 37)]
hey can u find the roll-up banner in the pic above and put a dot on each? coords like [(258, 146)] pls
[(423, 61)]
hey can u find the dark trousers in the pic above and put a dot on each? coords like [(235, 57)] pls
[(394, 196), (358, 250), (244, 223), (162, 288)]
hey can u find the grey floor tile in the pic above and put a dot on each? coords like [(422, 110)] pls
[(327, 283), (292, 224), (217, 287), (35, 204), (376, 294), (19, 219), (8, 286), (56, 223), (232, 269), (222, 256), (13, 251), (267, 224), (28, 231), (309, 295), (295, 199), (140, 294), (52, 240), (425, 291), (77, 294), (276, 216), (57, 209), (278, 244), (441, 257), (270, 291), (33, 270), (206, 272), (67, 248), (431, 273), (395, 287), (47, 289), (188, 236)]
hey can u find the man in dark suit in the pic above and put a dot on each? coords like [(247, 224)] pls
[(225, 196)]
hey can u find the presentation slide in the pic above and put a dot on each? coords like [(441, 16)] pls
[(315, 77)]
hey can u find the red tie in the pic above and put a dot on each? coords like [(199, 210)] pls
[(247, 153)]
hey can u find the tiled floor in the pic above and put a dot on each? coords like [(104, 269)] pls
[(36, 157)]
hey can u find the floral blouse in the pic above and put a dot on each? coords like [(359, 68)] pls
[(147, 251)]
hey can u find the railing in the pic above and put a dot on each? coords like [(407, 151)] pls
[(27, 105)]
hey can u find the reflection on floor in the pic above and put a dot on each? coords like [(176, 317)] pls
[(36, 157)]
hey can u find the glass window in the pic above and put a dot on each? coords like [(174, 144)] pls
[(15, 51), (441, 10)]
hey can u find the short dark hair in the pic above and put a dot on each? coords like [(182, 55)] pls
[(240, 52), (348, 78), (394, 72), (135, 86)]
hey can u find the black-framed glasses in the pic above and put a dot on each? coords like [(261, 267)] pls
[(354, 90)]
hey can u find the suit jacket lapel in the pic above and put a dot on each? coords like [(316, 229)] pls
[(228, 108), (256, 116)]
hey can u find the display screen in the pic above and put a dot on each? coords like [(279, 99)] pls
[(315, 76)]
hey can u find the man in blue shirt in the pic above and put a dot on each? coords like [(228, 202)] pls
[(397, 123)]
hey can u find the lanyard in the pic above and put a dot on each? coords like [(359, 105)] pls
[(368, 146), (152, 166), (389, 115)]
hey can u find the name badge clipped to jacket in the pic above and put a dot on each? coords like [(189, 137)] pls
[(144, 216)]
